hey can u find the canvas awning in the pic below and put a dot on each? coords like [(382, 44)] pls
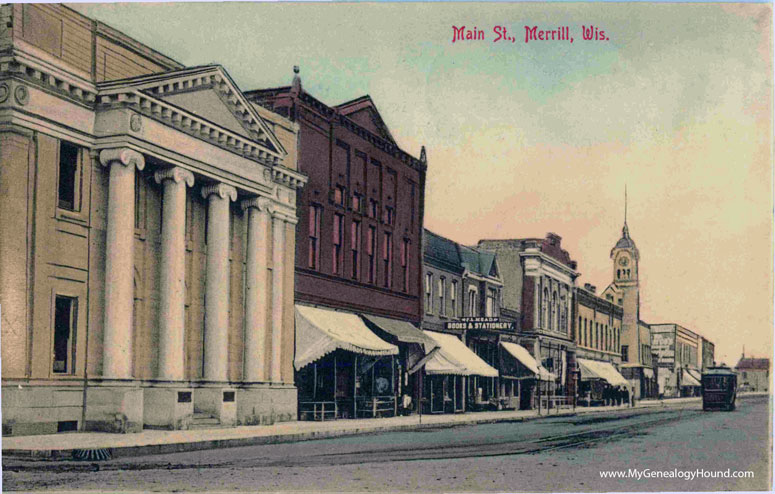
[(403, 331), (454, 357), (688, 380), (595, 369), (522, 355), (545, 375), (321, 331), (695, 374)]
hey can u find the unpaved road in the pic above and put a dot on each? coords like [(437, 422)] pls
[(553, 454)]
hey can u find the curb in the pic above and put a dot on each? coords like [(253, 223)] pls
[(153, 449)]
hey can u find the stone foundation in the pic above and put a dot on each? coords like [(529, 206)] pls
[(167, 408), (265, 405)]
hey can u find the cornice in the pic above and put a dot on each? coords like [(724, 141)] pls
[(189, 123), (48, 77), (377, 141)]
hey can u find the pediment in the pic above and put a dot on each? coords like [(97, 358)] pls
[(364, 112), (210, 94)]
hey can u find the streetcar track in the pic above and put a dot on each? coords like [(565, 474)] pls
[(492, 449)]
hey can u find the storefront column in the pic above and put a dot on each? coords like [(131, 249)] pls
[(256, 286), (217, 281), (278, 257), (172, 277), (119, 261)]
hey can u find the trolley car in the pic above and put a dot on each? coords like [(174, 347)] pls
[(719, 388)]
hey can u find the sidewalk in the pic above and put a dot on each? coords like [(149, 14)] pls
[(61, 446)]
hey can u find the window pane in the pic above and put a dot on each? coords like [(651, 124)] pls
[(68, 169), (64, 326)]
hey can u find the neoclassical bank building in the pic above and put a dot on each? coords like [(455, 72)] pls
[(147, 220)]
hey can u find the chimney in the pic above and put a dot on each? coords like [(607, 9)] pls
[(553, 238)]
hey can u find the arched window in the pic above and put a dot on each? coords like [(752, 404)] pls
[(553, 315), (618, 273), (544, 308)]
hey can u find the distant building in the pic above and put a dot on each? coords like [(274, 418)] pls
[(707, 354), (753, 374), (597, 325), (539, 277), (636, 337), (679, 359)]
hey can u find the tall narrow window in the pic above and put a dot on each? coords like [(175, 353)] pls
[(371, 247), (373, 209), (442, 296), (65, 317), (355, 246), (314, 237), (405, 263), (336, 264), (453, 297), (472, 312), (490, 307), (624, 354), (339, 194), (68, 187), (387, 258), (356, 206), (579, 334), (389, 215), (429, 293)]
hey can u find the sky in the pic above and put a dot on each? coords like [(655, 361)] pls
[(529, 138)]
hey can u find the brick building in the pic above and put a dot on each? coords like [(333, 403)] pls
[(359, 248)]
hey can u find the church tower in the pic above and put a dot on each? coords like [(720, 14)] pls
[(624, 291)]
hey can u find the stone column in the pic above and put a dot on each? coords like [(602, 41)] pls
[(119, 261), (256, 284), (217, 281), (172, 299), (278, 257)]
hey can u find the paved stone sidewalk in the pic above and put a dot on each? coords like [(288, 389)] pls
[(61, 446)]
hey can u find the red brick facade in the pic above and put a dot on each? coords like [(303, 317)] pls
[(364, 194)]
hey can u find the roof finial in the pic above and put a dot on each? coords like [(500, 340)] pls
[(423, 157), (625, 204), (296, 84), (625, 230)]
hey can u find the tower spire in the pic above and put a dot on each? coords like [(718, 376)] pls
[(625, 204)]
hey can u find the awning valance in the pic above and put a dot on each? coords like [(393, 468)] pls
[(454, 357), (403, 331), (522, 355), (595, 369), (321, 331)]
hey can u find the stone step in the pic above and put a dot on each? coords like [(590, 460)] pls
[(204, 421)]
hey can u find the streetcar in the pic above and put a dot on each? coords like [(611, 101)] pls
[(719, 388)]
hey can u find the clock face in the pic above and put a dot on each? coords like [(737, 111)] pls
[(623, 261)]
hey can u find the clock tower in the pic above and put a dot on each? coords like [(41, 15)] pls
[(624, 291)]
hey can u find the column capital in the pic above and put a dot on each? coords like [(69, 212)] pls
[(125, 156), (175, 173), (222, 190), (263, 204)]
